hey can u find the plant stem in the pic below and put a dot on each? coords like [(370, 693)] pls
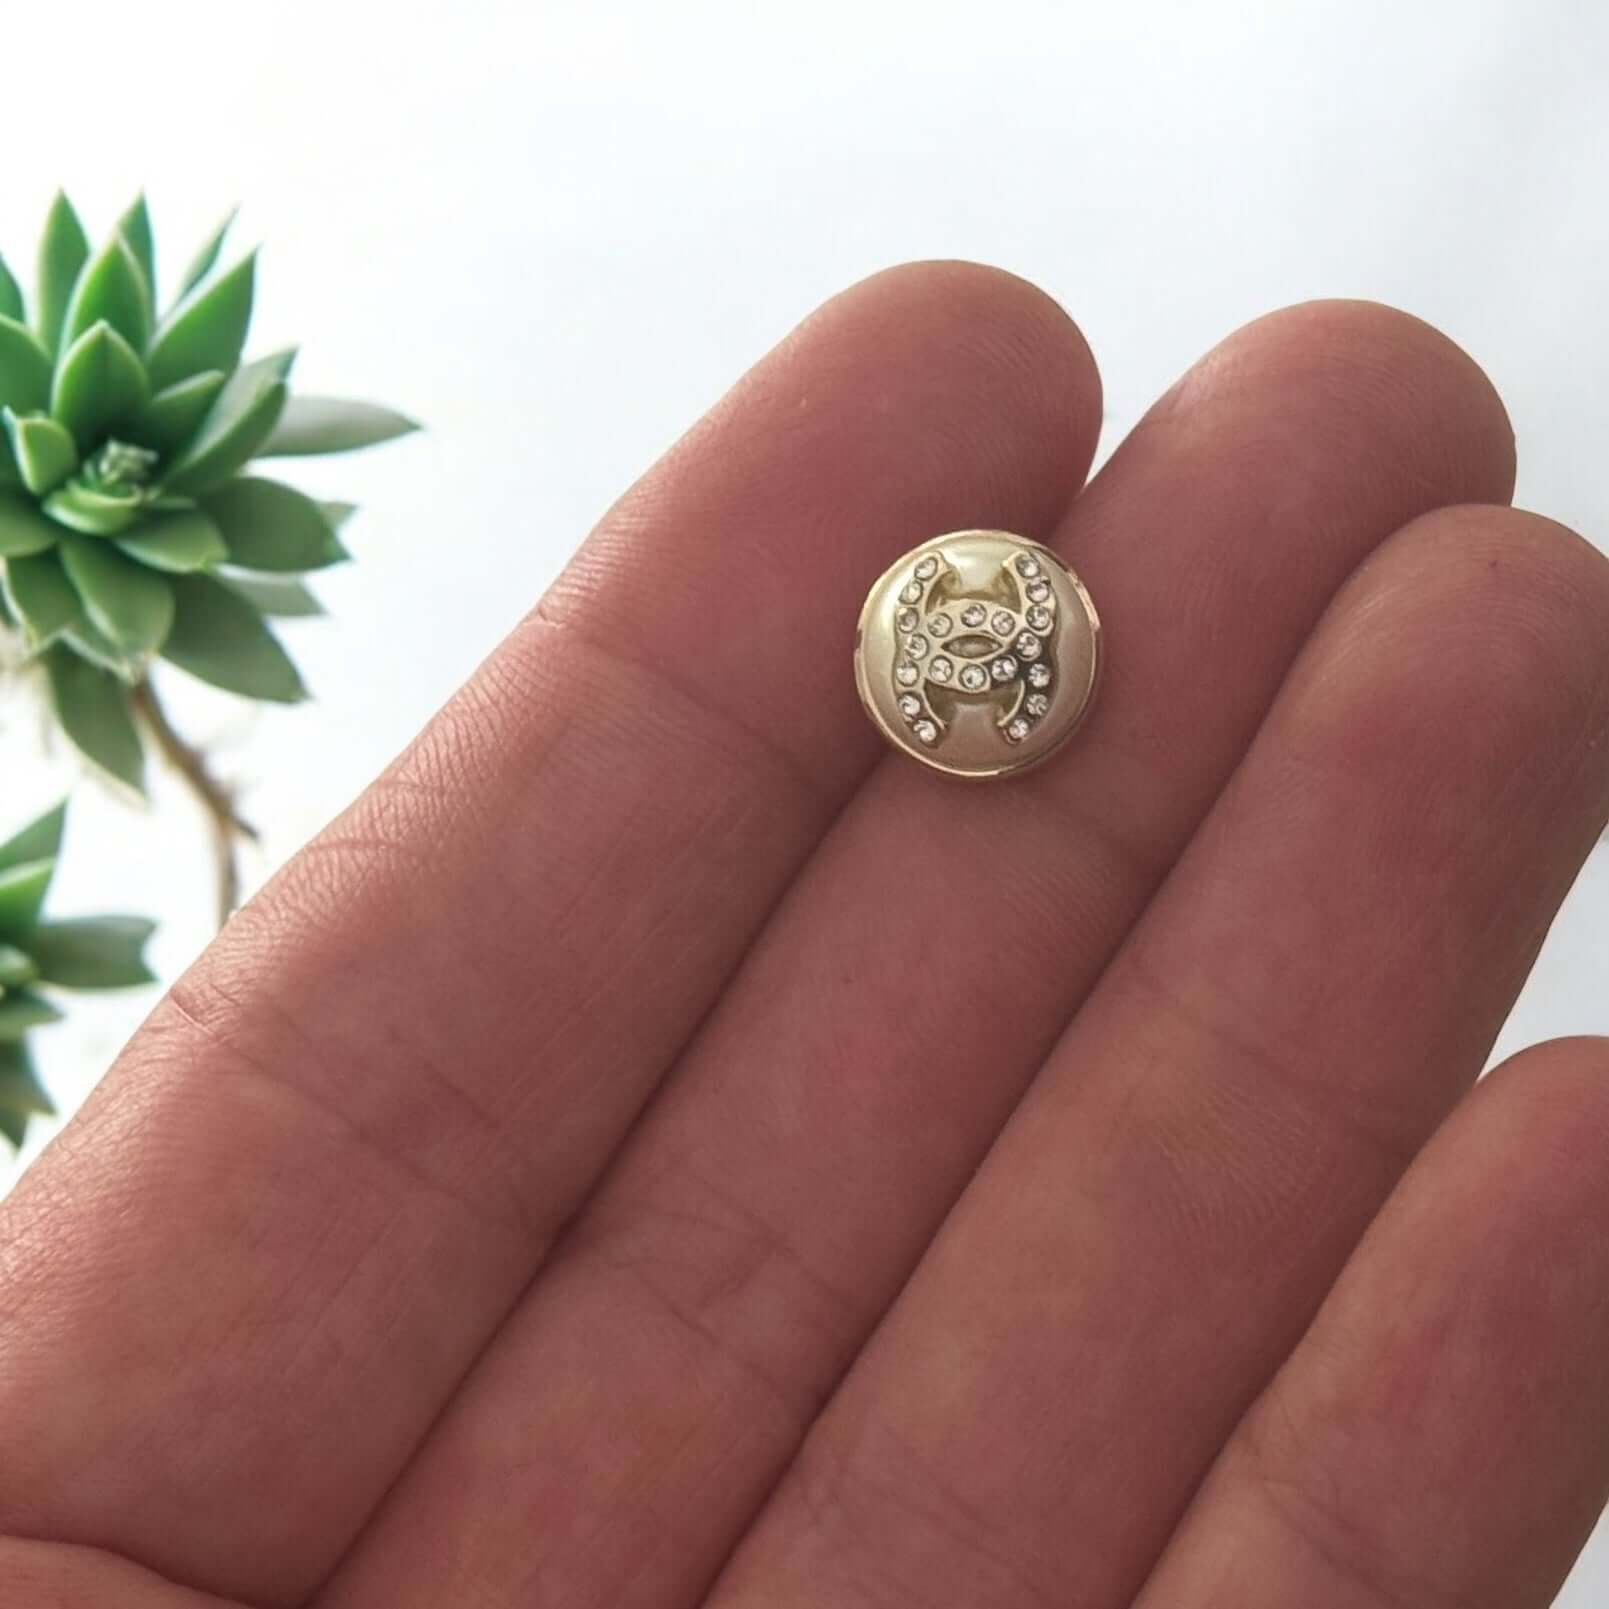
[(215, 796)]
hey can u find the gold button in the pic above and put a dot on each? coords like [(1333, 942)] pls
[(977, 653)]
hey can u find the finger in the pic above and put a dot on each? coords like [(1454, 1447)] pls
[(49, 1575), (769, 1205), (1441, 1436), (321, 1176), (1300, 1004)]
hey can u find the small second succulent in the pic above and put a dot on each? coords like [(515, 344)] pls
[(127, 528), (38, 956)]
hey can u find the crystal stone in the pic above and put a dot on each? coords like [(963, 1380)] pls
[(1027, 565), (926, 731), (916, 647), (927, 568), (940, 626), (1004, 623), (974, 678), (974, 615), (1039, 675), (941, 670), (1017, 730), (911, 592), (1040, 619), (910, 706), (1028, 645), (906, 674), (907, 619), (1036, 703), (1004, 668)]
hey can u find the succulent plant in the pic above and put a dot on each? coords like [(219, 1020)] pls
[(97, 952), (128, 530)]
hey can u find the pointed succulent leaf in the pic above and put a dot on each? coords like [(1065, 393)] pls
[(10, 294), (93, 952), (21, 1094), (22, 892), (267, 525), (235, 427), (202, 263), (86, 641), (23, 529), (99, 384), (24, 368), (41, 597), (22, 1009), (312, 425), (338, 513), (16, 968), (135, 227), (44, 450), (129, 603), (173, 416), (178, 543), (280, 597), (219, 637), (92, 706), (63, 251), (92, 511), (110, 290), (206, 330), (39, 840)]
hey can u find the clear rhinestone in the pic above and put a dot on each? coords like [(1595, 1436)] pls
[(1036, 703), (940, 626), (974, 615), (1040, 619), (907, 620), (927, 568), (1027, 565), (941, 670), (910, 706), (1039, 675), (911, 592), (974, 678), (1017, 730), (916, 647), (926, 731), (1004, 668), (1003, 623), (1040, 592), (1028, 645), (906, 674)]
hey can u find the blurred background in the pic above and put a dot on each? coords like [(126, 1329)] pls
[(557, 231)]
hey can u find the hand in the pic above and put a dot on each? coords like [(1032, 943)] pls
[(652, 1151)]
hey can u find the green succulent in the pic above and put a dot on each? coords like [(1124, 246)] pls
[(97, 952), (127, 528)]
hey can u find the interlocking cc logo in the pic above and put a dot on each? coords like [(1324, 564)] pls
[(989, 644)]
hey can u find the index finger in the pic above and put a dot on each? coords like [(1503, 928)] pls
[(260, 1260)]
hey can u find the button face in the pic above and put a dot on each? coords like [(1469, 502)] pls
[(978, 653)]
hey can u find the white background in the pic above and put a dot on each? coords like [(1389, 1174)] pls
[(558, 231)]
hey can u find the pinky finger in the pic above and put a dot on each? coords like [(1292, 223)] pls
[(1441, 1436)]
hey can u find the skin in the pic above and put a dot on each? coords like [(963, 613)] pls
[(656, 1149)]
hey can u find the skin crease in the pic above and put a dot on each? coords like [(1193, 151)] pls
[(738, 1169)]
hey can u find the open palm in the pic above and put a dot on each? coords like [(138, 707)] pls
[(655, 1151)]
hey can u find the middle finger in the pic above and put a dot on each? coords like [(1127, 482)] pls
[(629, 1419)]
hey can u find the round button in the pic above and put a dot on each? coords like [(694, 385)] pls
[(978, 653)]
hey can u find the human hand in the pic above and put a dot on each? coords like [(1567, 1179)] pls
[(654, 1151)]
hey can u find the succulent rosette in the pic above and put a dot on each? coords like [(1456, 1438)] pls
[(38, 957), (129, 529)]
